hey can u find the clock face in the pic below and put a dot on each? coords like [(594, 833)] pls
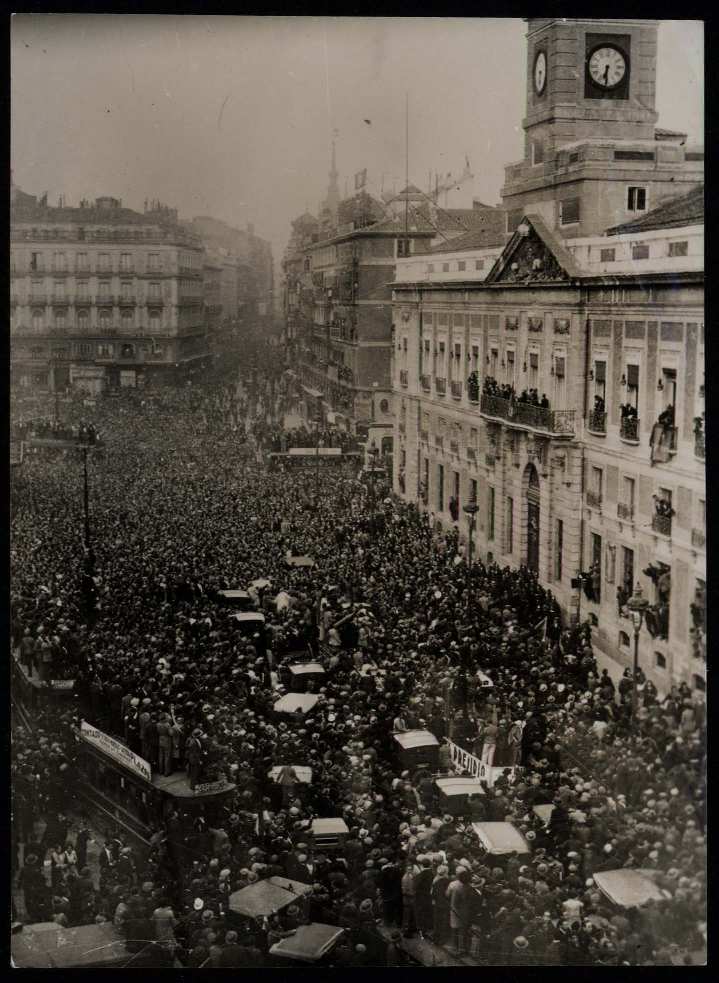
[(540, 72), (607, 67)]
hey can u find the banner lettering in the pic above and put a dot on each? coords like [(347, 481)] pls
[(463, 761), (116, 750)]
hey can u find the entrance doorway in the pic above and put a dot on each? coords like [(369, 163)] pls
[(532, 519)]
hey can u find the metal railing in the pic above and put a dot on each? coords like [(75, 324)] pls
[(425, 382), (629, 428), (625, 511), (594, 499), (597, 422), (456, 389), (699, 538), (528, 415), (699, 448), (440, 384), (662, 524)]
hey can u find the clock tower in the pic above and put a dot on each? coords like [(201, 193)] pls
[(590, 128), (589, 78)]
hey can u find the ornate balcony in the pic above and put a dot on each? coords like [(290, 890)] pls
[(403, 378), (629, 429), (425, 382), (440, 385), (594, 499), (559, 423), (155, 302), (597, 422), (662, 524), (625, 511), (699, 538), (456, 389)]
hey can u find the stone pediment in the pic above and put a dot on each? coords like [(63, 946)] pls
[(533, 256)]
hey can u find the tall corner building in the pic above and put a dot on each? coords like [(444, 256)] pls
[(102, 296), (554, 374)]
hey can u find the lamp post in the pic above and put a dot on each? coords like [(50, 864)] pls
[(470, 510), (637, 605)]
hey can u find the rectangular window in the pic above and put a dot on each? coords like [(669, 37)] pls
[(640, 251), (445, 267), (510, 525), (104, 289), (678, 248), (461, 265), (607, 255), (493, 359), (81, 263), (440, 488), (537, 152), (479, 264), (629, 488), (430, 267), (475, 356), (126, 291), (559, 549), (533, 369), (58, 262), (628, 569), (403, 247), (456, 487), (490, 534), (636, 199), (125, 262), (569, 211), (472, 490), (153, 262), (82, 286), (103, 262), (600, 378), (154, 291), (633, 386), (58, 289), (511, 376), (37, 261), (60, 321), (596, 487)]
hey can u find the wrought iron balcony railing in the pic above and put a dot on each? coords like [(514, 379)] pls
[(597, 422), (425, 382), (625, 511), (559, 422), (440, 384), (662, 524), (594, 499), (629, 429), (456, 389)]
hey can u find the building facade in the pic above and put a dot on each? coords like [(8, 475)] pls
[(102, 296), (557, 381), (343, 354)]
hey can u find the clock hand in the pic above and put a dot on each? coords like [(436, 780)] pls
[(606, 73)]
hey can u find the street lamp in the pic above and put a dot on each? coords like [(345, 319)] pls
[(637, 605), (470, 510)]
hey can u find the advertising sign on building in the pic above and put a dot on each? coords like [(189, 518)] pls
[(465, 762), (116, 750)]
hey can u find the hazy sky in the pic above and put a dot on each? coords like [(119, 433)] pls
[(233, 116)]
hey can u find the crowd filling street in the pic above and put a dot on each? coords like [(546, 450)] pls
[(183, 506)]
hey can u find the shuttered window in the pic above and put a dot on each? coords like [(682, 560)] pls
[(534, 360), (559, 366), (633, 376)]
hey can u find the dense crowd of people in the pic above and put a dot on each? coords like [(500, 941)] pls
[(160, 664)]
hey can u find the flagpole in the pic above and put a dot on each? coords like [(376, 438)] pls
[(406, 166)]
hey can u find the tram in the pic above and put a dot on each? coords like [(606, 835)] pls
[(124, 786)]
